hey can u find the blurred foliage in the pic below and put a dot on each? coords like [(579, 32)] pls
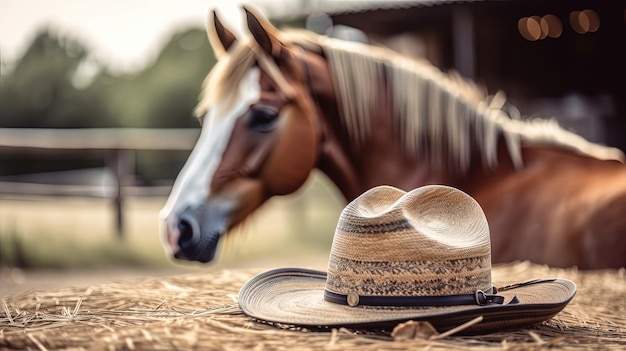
[(165, 93), (39, 91), (58, 84), (12, 250)]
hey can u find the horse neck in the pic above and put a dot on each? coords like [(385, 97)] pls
[(379, 160), (357, 168)]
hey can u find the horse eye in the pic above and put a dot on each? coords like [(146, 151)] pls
[(262, 119)]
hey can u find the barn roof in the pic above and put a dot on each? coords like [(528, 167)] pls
[(345, 7)]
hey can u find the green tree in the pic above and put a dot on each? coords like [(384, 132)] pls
[(164, 94), (41, 90)]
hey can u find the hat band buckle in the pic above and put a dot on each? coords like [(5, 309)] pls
[(478, 297)]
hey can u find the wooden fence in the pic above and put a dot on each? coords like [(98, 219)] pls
[(117, 146)]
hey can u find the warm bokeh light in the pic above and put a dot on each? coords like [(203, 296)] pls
[(529, 28), (535, 27), (586, 21), (544, 25), (553, 25)]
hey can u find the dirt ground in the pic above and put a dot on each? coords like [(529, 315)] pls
[(17, 281)]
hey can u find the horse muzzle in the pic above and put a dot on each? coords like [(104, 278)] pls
[(191, 237)]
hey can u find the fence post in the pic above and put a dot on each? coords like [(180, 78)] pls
[(121, 169)]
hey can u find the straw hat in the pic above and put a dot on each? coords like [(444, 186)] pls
[(397, 256)]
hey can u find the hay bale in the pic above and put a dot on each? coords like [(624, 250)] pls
[(199, 311)]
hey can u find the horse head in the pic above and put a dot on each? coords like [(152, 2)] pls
[(260, 136)]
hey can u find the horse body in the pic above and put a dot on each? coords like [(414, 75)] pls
[(276, 108), (548, 212)]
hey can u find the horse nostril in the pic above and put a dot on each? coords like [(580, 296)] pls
[(189, 231), (186, 232)]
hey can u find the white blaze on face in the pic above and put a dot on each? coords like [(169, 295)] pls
[(192, 184)]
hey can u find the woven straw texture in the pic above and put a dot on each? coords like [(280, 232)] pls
[(431, 241), (197, 311)]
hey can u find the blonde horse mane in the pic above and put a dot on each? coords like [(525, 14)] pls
[(430, 107)]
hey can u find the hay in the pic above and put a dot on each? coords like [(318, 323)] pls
[(199, 311)]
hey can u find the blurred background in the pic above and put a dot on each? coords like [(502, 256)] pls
[(96, 101)]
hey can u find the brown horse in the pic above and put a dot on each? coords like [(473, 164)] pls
[(279, 104)]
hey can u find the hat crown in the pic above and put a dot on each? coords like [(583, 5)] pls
[(432, 241)]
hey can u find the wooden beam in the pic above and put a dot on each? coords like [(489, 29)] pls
[(99, 138), (463, 41)]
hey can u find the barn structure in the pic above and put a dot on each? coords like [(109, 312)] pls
[(552, 58)]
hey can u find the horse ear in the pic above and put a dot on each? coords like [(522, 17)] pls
[(220, 37), (265, 34)]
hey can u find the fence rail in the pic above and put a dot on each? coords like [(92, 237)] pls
[(118, 144), (98, 139)]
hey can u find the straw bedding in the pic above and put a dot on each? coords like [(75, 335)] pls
[(199, 311)]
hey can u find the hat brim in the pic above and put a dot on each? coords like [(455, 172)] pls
[(296, 296)]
